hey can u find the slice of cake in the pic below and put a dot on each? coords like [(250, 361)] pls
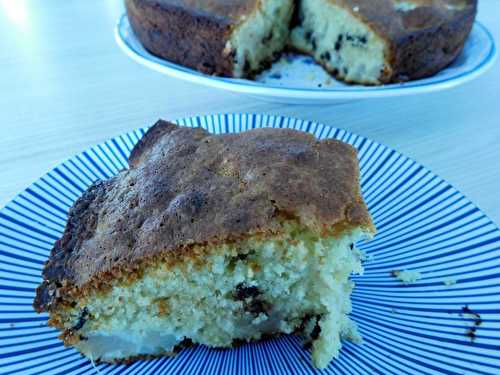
[(235, 38), (374, 42), (214, 240)]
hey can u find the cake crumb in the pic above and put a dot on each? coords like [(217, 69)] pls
[(407, 276), (450, 281), (362, 256)]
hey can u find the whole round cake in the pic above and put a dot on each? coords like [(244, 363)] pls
[(357, 41)]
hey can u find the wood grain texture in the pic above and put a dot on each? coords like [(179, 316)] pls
[(66, 86)]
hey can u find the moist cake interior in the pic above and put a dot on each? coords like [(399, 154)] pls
[(261, 37), (294, 282), (341, 43)]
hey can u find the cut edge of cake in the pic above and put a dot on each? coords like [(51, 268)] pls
[(291, 281), (257, 41), (341, 42), (358, 42)]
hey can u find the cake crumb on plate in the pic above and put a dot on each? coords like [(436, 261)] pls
[(450, 281), (407, 276)]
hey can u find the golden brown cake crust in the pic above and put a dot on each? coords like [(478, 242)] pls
[(186, 187)]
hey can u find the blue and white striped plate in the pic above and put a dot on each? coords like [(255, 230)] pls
[(298, 79), (424, 224)]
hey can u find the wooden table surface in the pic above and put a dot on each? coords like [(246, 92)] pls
[(65, 86)]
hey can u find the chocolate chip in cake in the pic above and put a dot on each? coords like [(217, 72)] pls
[(316, 330), (249, 294), (232, 56), (244, 291), (305, 319), (338, 43), (246, 66), (313, 43), (82, 319), (257, 306), (185, 343), (242, 256), (267, 38), (357, 40)]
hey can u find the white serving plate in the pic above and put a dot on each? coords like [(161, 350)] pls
[(297, 79)]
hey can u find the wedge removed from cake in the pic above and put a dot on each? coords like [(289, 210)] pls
[(212, 240)]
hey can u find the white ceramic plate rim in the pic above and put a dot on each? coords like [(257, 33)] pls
[(354, 92)]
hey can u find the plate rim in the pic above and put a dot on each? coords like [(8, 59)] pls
[(249, 87)]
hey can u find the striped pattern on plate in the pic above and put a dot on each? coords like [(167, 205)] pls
[(424, 224)]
